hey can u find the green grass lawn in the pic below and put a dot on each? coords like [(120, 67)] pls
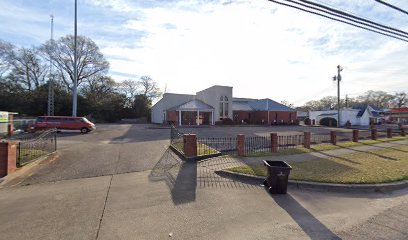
[(324, 147), (375, 166)]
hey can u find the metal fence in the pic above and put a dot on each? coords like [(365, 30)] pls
[(176, 139), (30, 149), (290, 141), (319, 138), (257, 144), (210, 146)]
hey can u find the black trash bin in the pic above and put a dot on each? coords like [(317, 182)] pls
[(277, 178)]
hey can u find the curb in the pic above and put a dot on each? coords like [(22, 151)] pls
[(329, 187)]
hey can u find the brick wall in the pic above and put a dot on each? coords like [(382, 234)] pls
[(8, 154)]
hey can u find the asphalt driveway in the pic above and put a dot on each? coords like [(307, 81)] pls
[(111, 149)]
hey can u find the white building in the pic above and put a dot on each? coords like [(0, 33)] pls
[(362, 117), (218, 104)]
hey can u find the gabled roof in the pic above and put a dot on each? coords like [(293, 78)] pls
[(193, 105), (269, 105)]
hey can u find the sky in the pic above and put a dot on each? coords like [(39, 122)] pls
[(261, 49)]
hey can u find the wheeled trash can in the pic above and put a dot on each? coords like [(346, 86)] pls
[(277, 178)]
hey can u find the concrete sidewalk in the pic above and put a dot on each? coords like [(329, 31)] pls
[(132, 206)]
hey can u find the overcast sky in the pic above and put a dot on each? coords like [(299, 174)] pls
[(262, 49)]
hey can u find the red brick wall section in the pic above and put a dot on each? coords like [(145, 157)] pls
[(256, 117), (274, 142), (306, 140), (190, 145), (8, 155), (241, 145)]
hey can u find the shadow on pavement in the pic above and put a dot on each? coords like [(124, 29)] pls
[(180, 176), (310, 225)]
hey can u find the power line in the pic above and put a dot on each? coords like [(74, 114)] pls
[(392, 6), (353, 16), (339, 20)]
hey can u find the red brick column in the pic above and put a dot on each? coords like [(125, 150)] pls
[(374, 134), (8, 157), (306, 140), (333, 137), (389, 132), (190, 145), (355, 135), (241, 145), (274, 142), (402, 131)]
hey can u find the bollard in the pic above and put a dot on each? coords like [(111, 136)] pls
[(355, 135), (374, 134), (389, 132), (333, 137)]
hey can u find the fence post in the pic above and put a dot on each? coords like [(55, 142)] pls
[(241, 145), (274, 142), (333, 137), (402, 129), (355, 135), (55, 140), (8, 155), (389, 132), (306, 140), (190, 145), (373, 133)]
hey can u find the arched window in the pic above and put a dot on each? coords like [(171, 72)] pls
[(223, 107)]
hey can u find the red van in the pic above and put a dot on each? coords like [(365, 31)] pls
[(64, 123)]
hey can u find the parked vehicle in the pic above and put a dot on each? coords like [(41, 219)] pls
[(64, 123)]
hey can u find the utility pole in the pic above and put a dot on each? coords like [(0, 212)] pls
[(74, 91), (50, 108), (338, 79), (347, 100)]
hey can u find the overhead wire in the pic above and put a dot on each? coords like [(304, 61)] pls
[(392, 6), (352, 23)]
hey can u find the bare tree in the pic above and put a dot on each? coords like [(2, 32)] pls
[(130, 88), (28, 69), (149, 88), (90, 61), (379, 99), (400, 99), (99, 86), (6, 51)]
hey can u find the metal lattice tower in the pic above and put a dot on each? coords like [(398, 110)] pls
[(50, 109)]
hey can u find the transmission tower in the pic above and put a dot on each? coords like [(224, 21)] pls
[(50, 110)]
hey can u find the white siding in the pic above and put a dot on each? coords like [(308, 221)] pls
[(212, 95), (169, 100)]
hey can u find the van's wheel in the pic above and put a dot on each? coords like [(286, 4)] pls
[(84, 130)]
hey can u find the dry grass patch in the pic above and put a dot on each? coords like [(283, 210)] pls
[(375, 166)]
